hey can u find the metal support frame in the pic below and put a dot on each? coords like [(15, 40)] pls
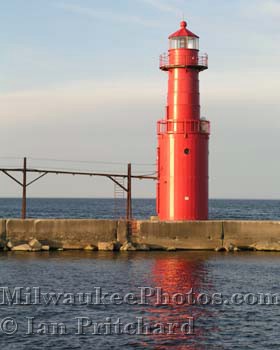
[(43, 172), (128, 200), (24, 186)]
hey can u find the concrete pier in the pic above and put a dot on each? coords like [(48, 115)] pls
[(192, 235)]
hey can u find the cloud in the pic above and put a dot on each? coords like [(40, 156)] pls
[(107, 15), (270, 7), (76, 98), (163, 6), (257, 8)]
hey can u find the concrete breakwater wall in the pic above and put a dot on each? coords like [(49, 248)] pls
[(143, 235), (62, 234), (210, 235)]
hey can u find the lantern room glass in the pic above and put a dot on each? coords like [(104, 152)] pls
[(184, 42)]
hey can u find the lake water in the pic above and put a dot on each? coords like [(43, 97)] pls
[(142, 208), (223, 326), (166, 300)]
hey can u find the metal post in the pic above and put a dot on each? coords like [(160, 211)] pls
[(128, 202), (24, 185)]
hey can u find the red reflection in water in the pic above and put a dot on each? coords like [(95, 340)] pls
[(179, 282)]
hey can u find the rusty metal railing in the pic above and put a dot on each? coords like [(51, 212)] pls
[(124, 181)]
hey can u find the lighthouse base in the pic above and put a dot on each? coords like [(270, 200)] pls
[(182, 189)]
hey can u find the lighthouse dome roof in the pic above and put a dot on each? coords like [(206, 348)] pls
[(183, 32)]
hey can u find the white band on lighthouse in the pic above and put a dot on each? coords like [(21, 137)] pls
[(175, 99), (171, 176)]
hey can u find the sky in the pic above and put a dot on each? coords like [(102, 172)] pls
[(80, 87)]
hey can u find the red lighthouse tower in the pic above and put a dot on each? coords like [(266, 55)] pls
[(183, 137)]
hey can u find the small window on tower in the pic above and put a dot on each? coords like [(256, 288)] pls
[(173, 44), (179, 43), (183, 43), (193, 43), (187, 151)]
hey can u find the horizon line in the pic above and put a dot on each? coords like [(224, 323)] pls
[(149, 198)]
